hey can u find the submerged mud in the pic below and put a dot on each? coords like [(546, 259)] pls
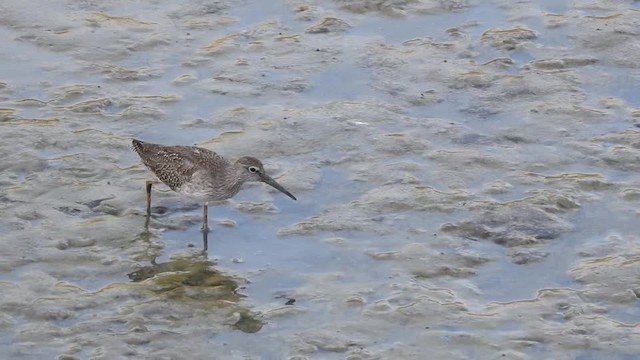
[(466, 177)]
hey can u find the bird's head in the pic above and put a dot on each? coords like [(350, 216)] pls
[(253, 170)]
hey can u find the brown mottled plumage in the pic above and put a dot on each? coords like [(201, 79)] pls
[(200, 173)]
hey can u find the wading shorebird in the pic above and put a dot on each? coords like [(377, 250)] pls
[(199, 173)]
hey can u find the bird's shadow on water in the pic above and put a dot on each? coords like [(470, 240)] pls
[(161, 211), (193, 279)]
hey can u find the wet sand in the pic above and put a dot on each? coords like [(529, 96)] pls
[(466, 175)]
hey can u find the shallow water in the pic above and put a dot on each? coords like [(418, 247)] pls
[(466, 176)]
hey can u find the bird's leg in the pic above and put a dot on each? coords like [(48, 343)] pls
[(149, 184), (205, 242), (205, 217)]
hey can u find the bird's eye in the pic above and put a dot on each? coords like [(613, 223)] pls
[(253, 169)]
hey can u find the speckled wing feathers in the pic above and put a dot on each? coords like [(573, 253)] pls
[(175, 165)]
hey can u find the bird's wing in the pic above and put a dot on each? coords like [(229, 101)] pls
[(175, 165)]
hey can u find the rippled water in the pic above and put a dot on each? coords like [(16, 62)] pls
[(466, 176)]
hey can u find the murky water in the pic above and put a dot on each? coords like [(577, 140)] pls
[(466, 176)]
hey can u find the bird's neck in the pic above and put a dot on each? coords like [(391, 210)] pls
[(235, 176)]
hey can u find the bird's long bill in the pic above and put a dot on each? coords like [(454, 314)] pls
[(269, 180)]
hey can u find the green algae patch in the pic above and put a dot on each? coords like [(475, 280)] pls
[(194, 282), (189, 278)]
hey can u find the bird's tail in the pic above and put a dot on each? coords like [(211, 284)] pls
[(136, 145)]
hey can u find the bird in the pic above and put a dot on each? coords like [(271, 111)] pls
[(199, 173)]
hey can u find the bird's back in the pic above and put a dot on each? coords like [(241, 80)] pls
[(176, 165)]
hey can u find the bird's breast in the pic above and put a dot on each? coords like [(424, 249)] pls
[(208, 191)]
